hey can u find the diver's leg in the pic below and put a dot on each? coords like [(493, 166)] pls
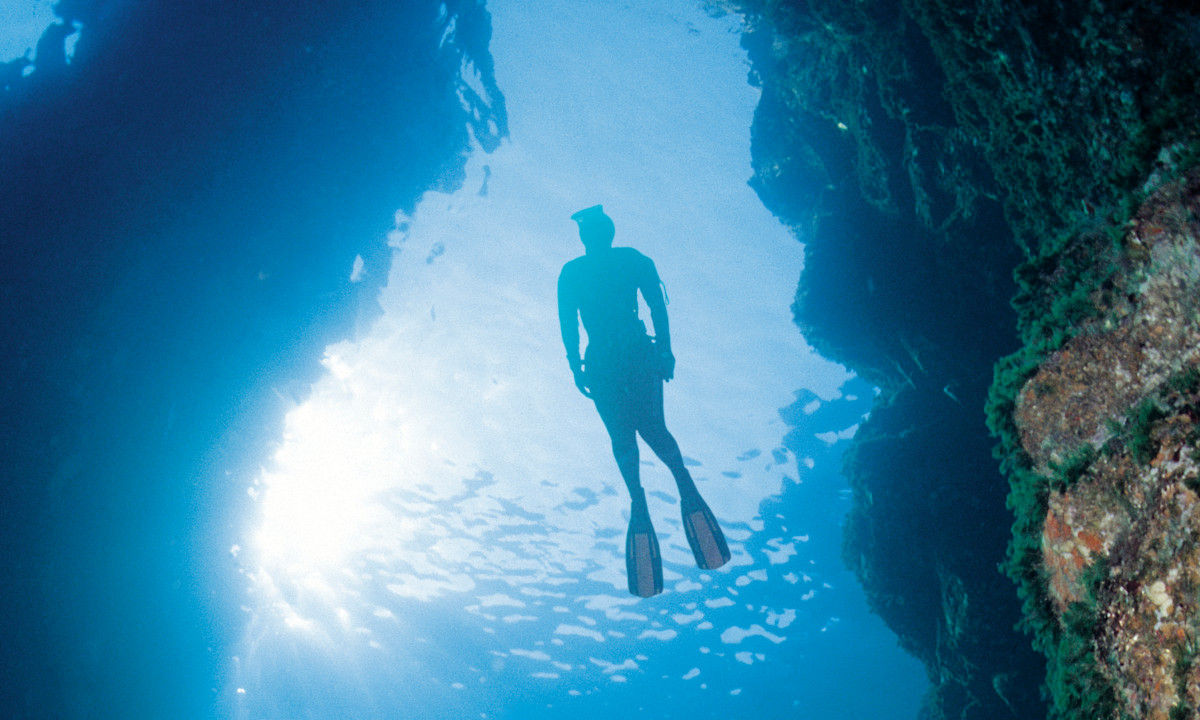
[(699, 524), (625, 450), (664, 446), (623, 434), (643, 562), (652, 426)]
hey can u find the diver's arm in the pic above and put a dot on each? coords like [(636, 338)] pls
[(652, 292), (658, 316), (568, 323)]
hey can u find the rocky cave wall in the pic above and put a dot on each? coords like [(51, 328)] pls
[(961, 176)]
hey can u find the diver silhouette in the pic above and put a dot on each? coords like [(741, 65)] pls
[(623, 371)]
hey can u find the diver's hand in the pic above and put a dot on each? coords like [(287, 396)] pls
[(581, 381), (666, 364)]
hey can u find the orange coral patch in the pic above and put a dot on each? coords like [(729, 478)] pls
[(1090, 540), (1055, 530)]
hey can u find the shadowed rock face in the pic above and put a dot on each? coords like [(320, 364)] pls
[(182, 208), (917, 313)]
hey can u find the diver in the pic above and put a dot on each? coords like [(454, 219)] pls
[(622, 372)]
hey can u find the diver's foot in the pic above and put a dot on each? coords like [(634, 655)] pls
[(684, 482), (643, 564), (686, 488), (637, 505), (703, 532)]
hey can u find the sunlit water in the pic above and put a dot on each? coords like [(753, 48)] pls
[(22, 22), (441, 531)]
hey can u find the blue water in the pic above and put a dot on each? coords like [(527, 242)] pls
[(226, 298)]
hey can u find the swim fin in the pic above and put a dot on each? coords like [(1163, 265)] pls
[(643, 564), (703, 532)]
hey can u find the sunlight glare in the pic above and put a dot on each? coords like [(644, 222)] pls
[(321, 499)]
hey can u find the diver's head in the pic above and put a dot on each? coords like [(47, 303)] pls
[(596, 229)]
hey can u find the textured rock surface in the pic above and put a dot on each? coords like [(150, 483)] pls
[(1151, 333), (1121, 540)]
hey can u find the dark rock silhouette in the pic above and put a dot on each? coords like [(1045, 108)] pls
[(180, 215)]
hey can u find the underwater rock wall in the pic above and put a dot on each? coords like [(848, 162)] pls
[(947, 164), (1110, 426), (888, 291), (182, 208)]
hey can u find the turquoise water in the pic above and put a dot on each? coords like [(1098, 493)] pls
[(291, 433)]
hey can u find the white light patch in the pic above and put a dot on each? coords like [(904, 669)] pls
[(736, 635), (744, 580), (319, 502), (609, 668), (780, 552), (783, 619), (531, 654), (565, 629)]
